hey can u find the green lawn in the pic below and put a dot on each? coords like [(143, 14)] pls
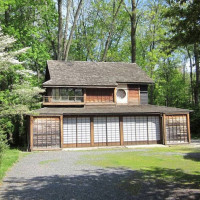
[(178, 165), (9, 158)]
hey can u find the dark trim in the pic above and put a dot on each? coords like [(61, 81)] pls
[(81, 86)]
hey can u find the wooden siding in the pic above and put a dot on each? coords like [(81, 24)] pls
[(103, 95), (143, 94), (134, 94), (46, 132), (176, 129)]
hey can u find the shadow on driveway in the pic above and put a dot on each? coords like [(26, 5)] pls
[(112, 184)]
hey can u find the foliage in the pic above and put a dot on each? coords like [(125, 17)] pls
[(17, 94), (10, 157), (167, 39)]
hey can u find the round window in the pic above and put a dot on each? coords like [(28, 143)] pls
[(121, 93)]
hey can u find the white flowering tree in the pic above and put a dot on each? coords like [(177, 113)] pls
[(18, 95)]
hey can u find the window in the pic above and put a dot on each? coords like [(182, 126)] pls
[(67, 94)]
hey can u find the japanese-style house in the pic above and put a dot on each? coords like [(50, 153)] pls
[(89, 104)]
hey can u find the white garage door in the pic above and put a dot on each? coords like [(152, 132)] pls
[(141, 129), (83, 130), (106, 131), (113, 135), (100, 137), (69, 130), (76, 131)]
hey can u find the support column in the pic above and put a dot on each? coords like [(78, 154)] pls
[(188, 127), (61, 131), (164, 130), (121, 131), (31, 133), (92, 130)]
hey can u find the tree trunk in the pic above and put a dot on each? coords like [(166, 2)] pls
[(196, 56), (111, 30), (66, 27), (191, 76), (60, 30), (133, 32), (73, 28)]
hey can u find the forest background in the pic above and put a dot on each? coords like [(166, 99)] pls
[(161, 36)]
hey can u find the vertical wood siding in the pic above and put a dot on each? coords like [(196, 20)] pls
[(176, 129), (134, 94), (46, 132), (143, 94), (99, 95)]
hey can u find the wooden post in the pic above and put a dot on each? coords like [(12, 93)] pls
[(115, 95), (188, 127), (121, 131), (61, 131), (139, 96), (164, 130), (92, 130), (31, 133), (161, 126), (84, 100)]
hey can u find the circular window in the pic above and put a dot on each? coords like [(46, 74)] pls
[(121, 93)]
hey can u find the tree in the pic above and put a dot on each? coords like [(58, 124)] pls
[(185, 23), (63, 50), (133, 19), (17, 93)]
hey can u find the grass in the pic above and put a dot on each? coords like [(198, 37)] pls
[(177, 164), (10, 157)]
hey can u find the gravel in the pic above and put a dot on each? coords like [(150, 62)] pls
[(63, 175)]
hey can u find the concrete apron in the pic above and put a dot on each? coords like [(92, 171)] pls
[(115, 147)]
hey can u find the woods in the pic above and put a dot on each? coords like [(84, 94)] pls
[(161, 36)]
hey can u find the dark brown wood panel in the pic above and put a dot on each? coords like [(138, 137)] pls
[(100, 95), (176, 129), (134, 94), (46, 132)]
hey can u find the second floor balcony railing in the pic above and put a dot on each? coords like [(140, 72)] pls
[(64, 99)]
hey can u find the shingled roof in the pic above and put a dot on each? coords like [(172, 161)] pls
[(80, 73), (114, 110)]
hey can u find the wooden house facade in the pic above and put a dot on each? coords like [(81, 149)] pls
[(89, 104)]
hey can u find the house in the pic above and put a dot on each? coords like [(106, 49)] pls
[(90, 104)]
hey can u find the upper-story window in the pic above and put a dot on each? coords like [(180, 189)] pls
[(67, 94)]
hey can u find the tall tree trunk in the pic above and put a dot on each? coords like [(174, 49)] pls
[(66, 27), (196, 56), (191, 76), (60, 30), (133, 32), (72, 29), (111, 29)]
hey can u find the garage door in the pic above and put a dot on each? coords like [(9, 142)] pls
[(100, 131), (141, 129), (46, 132), (176, 129), (76, 131), (106, 131)]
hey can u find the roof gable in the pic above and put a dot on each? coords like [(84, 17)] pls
[(82, 73)]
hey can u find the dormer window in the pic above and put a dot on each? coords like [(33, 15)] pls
[(67, 94)]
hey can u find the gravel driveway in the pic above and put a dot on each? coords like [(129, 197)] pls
[(61, 175)]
